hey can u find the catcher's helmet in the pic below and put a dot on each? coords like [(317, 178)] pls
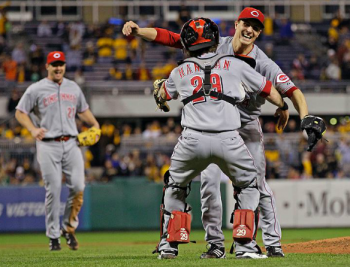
[(199, 33)]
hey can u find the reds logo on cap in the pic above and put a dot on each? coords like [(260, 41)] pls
[(55, 56), (255, 13)]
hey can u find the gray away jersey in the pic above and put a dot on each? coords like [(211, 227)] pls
[(230, 76), (251, 108), (54, 106)]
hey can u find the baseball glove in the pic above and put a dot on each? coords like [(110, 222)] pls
[(89, 137), (161, 102), (315, 128)]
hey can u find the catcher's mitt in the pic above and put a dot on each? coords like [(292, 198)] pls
[(160, 101), (315, 128), (89, 137)]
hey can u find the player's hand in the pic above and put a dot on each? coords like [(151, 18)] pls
[(38, 133), (283, 116), (130, 28)]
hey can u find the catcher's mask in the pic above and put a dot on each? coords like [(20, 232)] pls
[(199, 33)]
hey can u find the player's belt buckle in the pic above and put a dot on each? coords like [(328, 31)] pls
[(63, 138)]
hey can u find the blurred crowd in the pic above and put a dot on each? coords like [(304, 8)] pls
[(136, 150), (86, 45)]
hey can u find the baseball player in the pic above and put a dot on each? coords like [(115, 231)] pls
[(48, 109), (210, 86), (248, 27)]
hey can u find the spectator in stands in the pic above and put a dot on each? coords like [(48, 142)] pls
[(285, 31), (3, 23), (169, 66), (36, 56), (44, 29), (2, 45), (60, 29), (120, 45), (89, 56), (320, 169), (115, 73), (313, 69), (105, 45), (129, 73), (299, 67), (268, 28), (19, 54), (135, 165), (35, 74), (13, 100), (73, 58), (157, 71), (333, 71), (143, 73), (333, 33), (9, 67), (151, 169), (79, 77), (307, 165), (76, 33), (184, 14), (108, 172), (343, 151)]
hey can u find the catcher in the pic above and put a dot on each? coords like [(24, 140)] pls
[(48, 109)]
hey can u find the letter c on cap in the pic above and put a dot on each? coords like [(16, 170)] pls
[(255, 13)]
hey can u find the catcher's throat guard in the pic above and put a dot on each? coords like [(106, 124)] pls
[(243, 225)]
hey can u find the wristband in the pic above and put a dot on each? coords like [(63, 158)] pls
[(285, 106)]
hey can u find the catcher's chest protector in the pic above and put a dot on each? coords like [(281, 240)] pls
[(243, 225), (179, 227)]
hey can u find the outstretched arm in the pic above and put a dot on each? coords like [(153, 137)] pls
[(157, 35), (299, 103), (131, 28)]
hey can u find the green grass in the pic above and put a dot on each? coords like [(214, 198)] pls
[(134, 249)]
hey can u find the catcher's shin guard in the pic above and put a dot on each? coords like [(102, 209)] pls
[(179, 226), (243, 225)]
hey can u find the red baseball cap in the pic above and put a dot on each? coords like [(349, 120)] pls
[(55, 56), (252, 13)]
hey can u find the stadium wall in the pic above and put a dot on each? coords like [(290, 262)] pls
[(133, 204)]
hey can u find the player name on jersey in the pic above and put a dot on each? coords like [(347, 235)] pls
[(188, 69)]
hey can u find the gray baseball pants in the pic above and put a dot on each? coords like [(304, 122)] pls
[(252, 135), (55, 158), (194, 151)]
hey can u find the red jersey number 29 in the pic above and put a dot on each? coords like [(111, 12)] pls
[(197, 82)]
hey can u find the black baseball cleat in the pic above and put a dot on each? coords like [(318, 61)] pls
[(214, 252), (72, 242), (167, 254), (274, 252), (54, 244)]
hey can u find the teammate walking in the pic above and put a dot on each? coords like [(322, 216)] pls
[(210, 85), (248, 27), (48, 109)]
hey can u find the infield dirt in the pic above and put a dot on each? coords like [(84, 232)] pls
[(339, 245)]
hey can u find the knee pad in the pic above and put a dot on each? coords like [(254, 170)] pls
[(179, 227), (243, 225)]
